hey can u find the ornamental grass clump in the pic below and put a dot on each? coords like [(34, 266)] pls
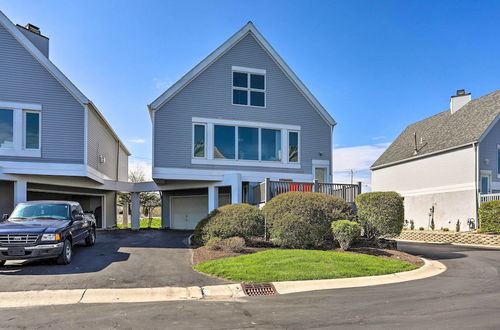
[(345, 232)]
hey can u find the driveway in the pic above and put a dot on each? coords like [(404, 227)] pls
[(119, 259), (466, 296)]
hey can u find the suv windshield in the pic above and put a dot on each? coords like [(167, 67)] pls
[(40, 211)]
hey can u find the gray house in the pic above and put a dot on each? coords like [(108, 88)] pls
[(54, 143), (241, 115), (447, 164)]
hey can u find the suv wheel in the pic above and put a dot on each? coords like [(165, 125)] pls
[(66, 254), (90, 240)]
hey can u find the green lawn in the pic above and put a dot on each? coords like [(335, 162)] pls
[(290, 265), (155, 223)]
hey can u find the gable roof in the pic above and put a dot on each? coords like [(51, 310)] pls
[(53, 70), (444, 131), (221, 50)]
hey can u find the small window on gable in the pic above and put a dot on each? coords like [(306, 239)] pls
[(249, 86)]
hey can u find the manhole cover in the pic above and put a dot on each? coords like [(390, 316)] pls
[(258, 289)]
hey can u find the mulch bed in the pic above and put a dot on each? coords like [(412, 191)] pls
[(202, 254)]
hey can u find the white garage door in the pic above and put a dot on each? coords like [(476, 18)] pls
[(187, 211)]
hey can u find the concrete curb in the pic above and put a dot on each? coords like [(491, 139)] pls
[(211, 292), (493, 247)]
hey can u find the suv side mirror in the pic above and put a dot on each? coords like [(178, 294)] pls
[(78, 217), (5, 217)]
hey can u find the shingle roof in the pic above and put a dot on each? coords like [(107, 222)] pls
[(444, 131)]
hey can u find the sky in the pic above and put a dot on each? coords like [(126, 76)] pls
[(376, 66)]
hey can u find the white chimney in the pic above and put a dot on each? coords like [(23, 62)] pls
[(459, 100), (34, 35)]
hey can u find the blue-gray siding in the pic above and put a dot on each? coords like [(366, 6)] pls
[(209, 95), (23, 79), (488, 149)]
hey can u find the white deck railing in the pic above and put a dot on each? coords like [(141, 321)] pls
[(489, 197)]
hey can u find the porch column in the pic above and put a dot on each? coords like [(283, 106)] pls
[(136, 211), (236, 189), (165, 210), (20, 192), (213, 198), (125, 215)]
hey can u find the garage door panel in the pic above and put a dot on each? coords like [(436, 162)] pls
[(188, 211)]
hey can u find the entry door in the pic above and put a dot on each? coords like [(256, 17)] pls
[(485, 184), (188, 211)]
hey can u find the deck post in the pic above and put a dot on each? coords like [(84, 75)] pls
[(267, 188), (359, 187)]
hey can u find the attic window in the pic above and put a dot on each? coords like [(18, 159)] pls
[(249, 86)]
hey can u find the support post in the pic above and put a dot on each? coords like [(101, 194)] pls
[(136, 211), (20, 192), (267, 188), (165, 210), (213, 198), (359, 187), (236, 192), (125, 215)]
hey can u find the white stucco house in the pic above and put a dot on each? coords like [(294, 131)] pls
[(446, 165)]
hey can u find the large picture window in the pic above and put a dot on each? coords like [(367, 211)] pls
[(249, 87), (6, 129), (224, 142), (271, 144), (248, 143)]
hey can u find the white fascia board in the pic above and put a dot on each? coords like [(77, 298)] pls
[(242, 162), (18, 105), (44, 61), (170, 173), (37, 168), (245, 123), (221, 50)]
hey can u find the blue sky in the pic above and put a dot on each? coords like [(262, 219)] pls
[(377, 66)]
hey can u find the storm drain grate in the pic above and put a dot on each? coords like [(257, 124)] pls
[(258, 289)]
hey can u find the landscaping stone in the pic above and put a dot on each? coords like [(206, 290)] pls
[(451, 237)]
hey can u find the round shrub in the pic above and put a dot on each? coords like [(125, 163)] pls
[(380, 213), (345, 232), (214, 244), (233, 244), (241, 220), (303, 219), (489, 216)]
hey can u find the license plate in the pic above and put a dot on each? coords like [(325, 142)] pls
[(16, 251)]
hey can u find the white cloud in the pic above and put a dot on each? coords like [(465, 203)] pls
[(377, 138), (162, 84), (359, 159), (137, 141)]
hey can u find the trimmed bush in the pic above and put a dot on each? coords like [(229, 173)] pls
[(380, 213), (303, 219), (233, 244), (489, 216), (214, 244), (345, 232), (232, 220)]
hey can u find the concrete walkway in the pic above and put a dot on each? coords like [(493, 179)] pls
[(214, 292)]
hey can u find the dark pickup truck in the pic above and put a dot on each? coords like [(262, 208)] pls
[(45, 229)]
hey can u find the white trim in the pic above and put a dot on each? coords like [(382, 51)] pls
[(172, 173), (25, 149), (44, 61), (245, 123), (17, 105), (248, 70), (204, 142), (438, 190), (243, 162), (299, 151), (19, 132), (221, 50)]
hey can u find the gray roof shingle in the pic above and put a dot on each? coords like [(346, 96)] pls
[(444, 130)]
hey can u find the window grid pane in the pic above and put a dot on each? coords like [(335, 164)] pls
[(240, 79), (199, 141), (224, 142), (293, 147), (271, 144), (257, 99), (240, 96), (32, 138), (6, 128), (257, 81)]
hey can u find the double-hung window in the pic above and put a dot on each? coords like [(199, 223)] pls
[(199, 137), (249, 86), (20, 129)]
